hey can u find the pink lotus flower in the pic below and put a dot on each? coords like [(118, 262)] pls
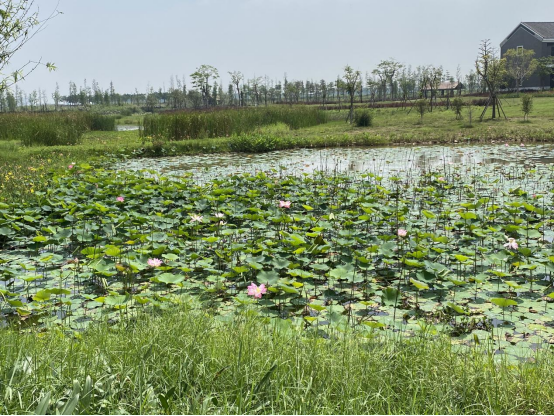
[(256, 291), (120, 199), (197, 218), (441, 179), (511, 244), (154, 262), (402, 232), (284, 204), (506, 145), (71, 166), (522, 145)]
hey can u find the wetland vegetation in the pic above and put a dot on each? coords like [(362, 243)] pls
[(414, 256)]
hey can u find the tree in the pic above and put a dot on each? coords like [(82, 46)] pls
[(526, 105), (351, 80), (387, 71), (421, 106), (545, 67), (201, 80), (236, 79), (19, 23), (56, 96), (491, 69), (457, 106), (520, 65)]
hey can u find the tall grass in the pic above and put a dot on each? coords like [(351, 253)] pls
[(51, 129), (189, 363), (209, 124)]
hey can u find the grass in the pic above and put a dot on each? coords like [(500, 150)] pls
[(185, 362)]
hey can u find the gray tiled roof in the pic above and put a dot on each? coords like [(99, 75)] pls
[(543, 29)]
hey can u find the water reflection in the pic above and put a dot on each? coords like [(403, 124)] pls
[(382, 161)]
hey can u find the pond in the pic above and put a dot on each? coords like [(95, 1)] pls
[(454, 240), (126, 127), (384, 161)]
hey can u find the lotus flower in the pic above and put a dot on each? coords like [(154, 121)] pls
[(284, 204), (120, 199), (511, 244), (154, 262), (402, 232), (197, 218), (256, 291)]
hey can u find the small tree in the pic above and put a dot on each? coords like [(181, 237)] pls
[(491, 69), (457, 106), (469, 107), (526, 105), (421, 107), (351, 79)]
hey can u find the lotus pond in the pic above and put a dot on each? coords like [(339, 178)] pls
[(387, 241)]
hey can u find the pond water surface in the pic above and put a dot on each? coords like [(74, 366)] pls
[(384, 161)]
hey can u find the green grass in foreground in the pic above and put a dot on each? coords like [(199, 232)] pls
[(185, 362)]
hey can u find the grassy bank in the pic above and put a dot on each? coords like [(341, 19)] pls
[(184, 362)]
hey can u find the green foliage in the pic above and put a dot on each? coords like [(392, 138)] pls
[(363, 118), (19, 22), (253, 143), (526, 105), (224, 123), (457, 106), (421, 106), (42, 129), (51, 129), (99, 122)]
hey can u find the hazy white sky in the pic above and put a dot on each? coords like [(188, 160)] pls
[(136, 43)]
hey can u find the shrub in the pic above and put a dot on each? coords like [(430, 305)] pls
[(99, 122), (253, 143), (526, 105), (421, 106), (363, 118), (457, 107)]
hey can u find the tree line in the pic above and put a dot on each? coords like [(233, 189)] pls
[(390, 80)]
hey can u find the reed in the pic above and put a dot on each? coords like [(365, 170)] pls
[(224, 123), (51, 129)]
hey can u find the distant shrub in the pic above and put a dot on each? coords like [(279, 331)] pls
[(129, 111), (363, 118), (421, 106), (457, 107), (480, 102), (253, 143), (99, 122)]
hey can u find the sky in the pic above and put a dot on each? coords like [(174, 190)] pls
[(142, 43)]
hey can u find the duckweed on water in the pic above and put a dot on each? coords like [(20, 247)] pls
[(427, 250)]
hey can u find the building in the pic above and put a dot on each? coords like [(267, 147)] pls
[(538, 36), (450, 87)]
